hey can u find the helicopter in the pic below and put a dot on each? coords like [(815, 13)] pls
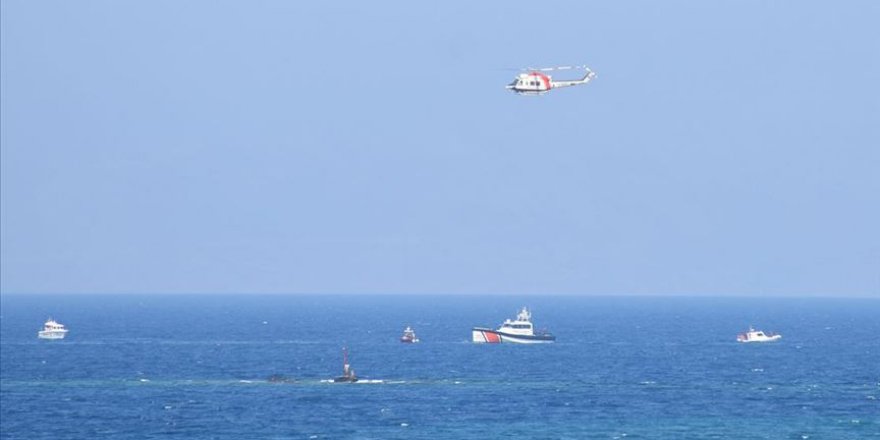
[(535, 82)]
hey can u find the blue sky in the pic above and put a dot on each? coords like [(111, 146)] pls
[(726, 148)]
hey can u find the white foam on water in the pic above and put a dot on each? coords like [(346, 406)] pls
[(143, 380), (245, 381), (404, 424)]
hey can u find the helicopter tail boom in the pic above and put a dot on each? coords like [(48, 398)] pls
[(567, 83)]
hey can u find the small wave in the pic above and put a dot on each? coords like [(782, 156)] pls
[(143, 380), (758, 370), (245, 381), (648, 382)]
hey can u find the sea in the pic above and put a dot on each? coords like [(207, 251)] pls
[(199, 366)]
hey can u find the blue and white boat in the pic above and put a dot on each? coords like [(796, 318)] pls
[(518, 331)]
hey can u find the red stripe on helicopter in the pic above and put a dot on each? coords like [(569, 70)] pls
[(545, 79)]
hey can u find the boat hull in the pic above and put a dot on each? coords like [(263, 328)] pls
[(51, 334), (481, 335), (759, 339), (345, 379)]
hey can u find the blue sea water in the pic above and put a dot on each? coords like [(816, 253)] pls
[(196, 366)]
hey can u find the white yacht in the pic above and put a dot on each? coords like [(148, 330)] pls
[(519, 331), (757, 336), (52, 330)]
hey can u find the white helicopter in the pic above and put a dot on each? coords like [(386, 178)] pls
[(534, 82)]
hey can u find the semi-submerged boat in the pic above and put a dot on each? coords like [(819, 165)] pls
[(348, 375), (518, 331), (757, 336), (52, 329)]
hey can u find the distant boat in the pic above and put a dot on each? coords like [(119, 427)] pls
[(347, 372), (52, 330), (757, 336), (519, 331), (409, 336)]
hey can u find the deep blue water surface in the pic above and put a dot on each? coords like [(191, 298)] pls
[(135, 367)]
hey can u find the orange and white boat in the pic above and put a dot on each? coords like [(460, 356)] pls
[(518, 331)]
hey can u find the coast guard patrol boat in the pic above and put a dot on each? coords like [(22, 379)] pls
[(518, 331)]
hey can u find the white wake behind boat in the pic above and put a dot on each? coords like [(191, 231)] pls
[(757, 336), (52, 330)]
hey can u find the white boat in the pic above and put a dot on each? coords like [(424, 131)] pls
[(52, 330), (518, 331), (409, 336), (757, 336)]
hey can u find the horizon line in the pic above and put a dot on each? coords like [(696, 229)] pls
[(547, 294)]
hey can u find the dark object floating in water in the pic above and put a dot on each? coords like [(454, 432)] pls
[(347, 372), (277, 378)]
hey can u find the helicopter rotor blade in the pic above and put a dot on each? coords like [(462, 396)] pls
[(552, 69)]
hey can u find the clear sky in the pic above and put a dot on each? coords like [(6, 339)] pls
[(726, 147)]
